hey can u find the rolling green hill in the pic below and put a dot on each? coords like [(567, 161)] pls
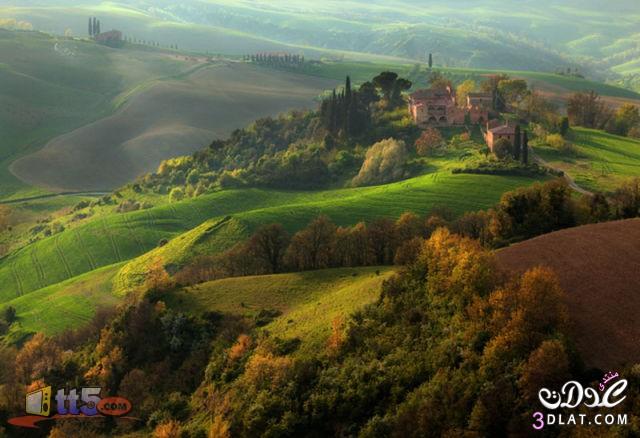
[(308, 301), (601, 162), (120, 237), (51, 86)]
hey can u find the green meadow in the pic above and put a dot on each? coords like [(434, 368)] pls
[(117, 238), (601, 161), (53, 85), (309, 302)]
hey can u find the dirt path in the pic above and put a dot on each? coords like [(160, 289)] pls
[(566, 176)]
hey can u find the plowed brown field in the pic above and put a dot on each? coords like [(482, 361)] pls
[(599, 268)]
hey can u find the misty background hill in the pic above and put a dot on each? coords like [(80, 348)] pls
[(601, 39)]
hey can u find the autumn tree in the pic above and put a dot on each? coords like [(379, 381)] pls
[(626, 118), (587, 109), (429, 140), (351, 247), (546, 367), (36, 358), (268, 245), (311, 247), (382, 240)]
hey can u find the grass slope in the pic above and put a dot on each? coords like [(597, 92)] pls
[(120, 237), (603, 161), (69, 304), (176, 116), (53, 85), (309, 301), (597, 266)]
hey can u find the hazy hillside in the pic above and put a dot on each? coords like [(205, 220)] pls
[(512, 34)]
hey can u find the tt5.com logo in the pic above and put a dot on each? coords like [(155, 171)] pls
[(70, 403)]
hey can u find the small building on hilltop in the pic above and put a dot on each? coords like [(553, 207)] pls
[(495, 132), (113, 38), (437, 107)]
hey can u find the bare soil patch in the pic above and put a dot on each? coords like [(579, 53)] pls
[(599, 268)]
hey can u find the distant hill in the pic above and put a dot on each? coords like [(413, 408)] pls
[(598, 268)]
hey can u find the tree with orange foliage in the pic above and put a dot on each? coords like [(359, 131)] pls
[(547, 366), (38, 356), (170, 429), (429, 140)]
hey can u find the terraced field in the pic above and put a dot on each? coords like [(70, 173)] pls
[(121, 237), (603, 161)]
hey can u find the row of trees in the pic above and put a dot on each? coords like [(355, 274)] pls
[(275, 59), (521, 214)]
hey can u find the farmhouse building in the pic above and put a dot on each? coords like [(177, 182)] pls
[(437, 107), (494, 133), (112, 38)]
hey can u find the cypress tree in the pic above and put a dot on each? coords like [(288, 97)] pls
[(98, 28), (430, 61), (90, 27), (525, 148), (95, 26), (517, 143)]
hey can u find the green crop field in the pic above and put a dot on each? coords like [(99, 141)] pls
[(602, 161), (120, 237), (69, 304), (309, 301)]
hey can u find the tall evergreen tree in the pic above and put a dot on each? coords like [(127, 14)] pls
[(98, 28), (430, 60), (90, 27), (525, 148), (517, 143), (95, 26)]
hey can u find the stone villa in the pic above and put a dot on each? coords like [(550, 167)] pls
[(437, 107)]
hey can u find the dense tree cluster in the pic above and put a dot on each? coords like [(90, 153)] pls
[(301, 149)]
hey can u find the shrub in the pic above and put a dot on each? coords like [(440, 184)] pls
[(502, 148), (556, 141), (176, 194), (384, 162)]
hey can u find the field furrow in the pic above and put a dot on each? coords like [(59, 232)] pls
[(62, 257)]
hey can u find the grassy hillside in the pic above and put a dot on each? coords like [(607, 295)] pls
[(601, 162), (167, 118), (54, 85), (601, 288), (68, 304), (120, 237), (308, 301)]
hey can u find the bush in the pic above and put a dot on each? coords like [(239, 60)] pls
[(502, 148), (176, 194), (556, 141), (384, 162)]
